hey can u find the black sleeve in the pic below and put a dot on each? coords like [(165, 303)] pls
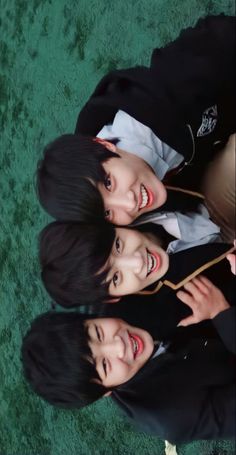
[(202, 414), (202, 59), (202, 55), (225, 323)]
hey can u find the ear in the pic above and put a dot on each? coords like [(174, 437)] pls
[(113, 300), (107, 394), (106, 144)]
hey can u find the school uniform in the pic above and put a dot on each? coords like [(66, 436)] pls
[(186, 97), (175, 123), (188, 391), (160, 312)]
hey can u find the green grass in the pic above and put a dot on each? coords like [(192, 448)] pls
[(52, 53)]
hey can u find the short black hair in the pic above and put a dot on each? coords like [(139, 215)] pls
[(71, 255), (65, 174), (57, 361)]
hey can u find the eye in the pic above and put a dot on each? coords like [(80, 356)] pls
[(104, 365), (118, 245), (115, 279), (98, 334), (107, 214), (107, 182)]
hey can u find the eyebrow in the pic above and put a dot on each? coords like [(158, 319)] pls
[(108, 270), (113, 251)]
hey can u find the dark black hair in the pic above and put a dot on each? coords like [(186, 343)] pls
[(57, 360), (65, 174), (71, 255)]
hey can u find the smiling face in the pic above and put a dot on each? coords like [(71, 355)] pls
[(118, 349), (135, 262), (130, 189)]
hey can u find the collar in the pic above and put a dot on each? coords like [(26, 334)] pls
[(186, 265)]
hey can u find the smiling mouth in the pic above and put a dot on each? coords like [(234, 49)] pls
[(136, 344), (145, 197), (153, 262)]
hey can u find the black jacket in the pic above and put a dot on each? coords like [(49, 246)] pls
[(160, 312), (186, 97), (187, 393)]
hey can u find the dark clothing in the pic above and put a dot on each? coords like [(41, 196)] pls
[(188, 392), (187, 96), (160, 312)]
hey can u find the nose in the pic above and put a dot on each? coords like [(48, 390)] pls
[(133, 262), (114, 348), (125, 201)]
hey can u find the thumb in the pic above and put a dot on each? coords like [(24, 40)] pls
[(232, 260), (186, 321)]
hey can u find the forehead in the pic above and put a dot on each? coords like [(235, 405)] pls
[(108, 322), (119, 232), (127, 238), (126, 161), (112, 161), (130, 237)]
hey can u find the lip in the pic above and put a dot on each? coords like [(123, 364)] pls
[(158, 261), (150, 198), (140, 344)]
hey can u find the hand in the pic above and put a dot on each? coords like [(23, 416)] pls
[(232, 260), (204, 299)]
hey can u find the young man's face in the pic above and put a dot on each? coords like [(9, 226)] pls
[(135, 262), (130, 189), (118, 349)]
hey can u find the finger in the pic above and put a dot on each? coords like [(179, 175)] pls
[(201, 285), (187, 321), (205, 281), (193, 290), (232, 260), (185, 298)]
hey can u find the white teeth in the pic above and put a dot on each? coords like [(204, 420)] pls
[(144, 195), (152, 262), (135, 344)]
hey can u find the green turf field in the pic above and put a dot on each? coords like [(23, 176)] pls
[(53, 52)]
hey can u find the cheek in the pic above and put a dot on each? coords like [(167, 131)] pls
[(126, 372), (121, 373), (132, 284), (127, 175), (122, 218)]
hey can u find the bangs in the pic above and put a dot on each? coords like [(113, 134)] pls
[(67, 177), (55, 355), (72, 258), (97, 249)]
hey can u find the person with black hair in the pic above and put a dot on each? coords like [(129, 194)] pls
[(180, 390), (150, 123), (134, 268)]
